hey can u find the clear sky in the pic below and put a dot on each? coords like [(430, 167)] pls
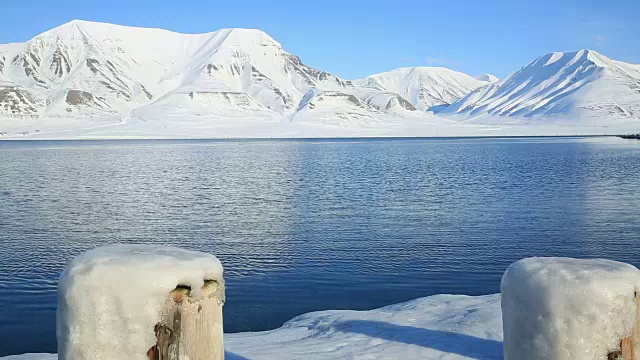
[(357, 38)]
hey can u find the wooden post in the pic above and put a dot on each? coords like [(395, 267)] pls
[(629, 345), (191, 326), (141, 302)]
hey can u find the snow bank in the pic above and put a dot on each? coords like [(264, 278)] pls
[(554, 308), (437, 327), (560, 308), (110, 298)]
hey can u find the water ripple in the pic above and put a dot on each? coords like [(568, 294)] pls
[(310, 225)]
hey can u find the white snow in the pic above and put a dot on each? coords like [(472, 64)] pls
[(96, 80), (424, 87), (582, 87), (553, 57), (437, 327), (553, 308), (110, 298), (561, 309), (487, 77), (153, 75)]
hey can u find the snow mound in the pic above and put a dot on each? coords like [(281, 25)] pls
[(101, 287), (553, 308), (437, 327), (561, 309)]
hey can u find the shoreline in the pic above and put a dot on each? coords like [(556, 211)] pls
[(346, 138), (455, 326)]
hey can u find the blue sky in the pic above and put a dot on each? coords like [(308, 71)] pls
[(356, 38)]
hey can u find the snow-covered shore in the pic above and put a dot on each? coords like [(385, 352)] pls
[(435, 327), (436, 127)]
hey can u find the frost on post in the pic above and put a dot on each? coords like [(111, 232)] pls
[(141, 302), (562, 309), (191, 326)]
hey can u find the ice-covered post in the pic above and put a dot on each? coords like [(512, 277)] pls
[(562, 309), (141, 303)]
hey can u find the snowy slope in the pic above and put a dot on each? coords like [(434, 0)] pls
[(85, 79), (582, 85), (243, 70), (354, 106), (126, 73), (424, 87), (438, 327), (487, 77)]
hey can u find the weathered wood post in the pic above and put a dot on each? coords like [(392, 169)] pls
[(142, 303), (191, 327), (570, 309)]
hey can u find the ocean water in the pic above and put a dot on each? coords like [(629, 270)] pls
[(304, 225)]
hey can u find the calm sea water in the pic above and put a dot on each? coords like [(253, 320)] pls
[(311, 225)]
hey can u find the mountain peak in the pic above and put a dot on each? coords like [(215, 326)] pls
[(80, 22), (487, 77), (93, 26), (428, 70), (570, 58), (137, 38), (85, 24), (87, 70), (423, 86), (242, 36), (558, 84)]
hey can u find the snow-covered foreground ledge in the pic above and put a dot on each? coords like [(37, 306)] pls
[(551, 308), (435, 327)]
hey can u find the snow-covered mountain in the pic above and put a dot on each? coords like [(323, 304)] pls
[(85, 74), (424, 87), (583, 86), (136, 81), (487, 77), (116, 69)]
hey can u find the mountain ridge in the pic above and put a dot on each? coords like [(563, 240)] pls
[(583, 83), (424, 86), (84, 74), (126, 72)]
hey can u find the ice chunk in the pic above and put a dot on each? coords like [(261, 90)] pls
[(560, 308), (110, 298)]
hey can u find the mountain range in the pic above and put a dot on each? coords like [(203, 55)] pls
[(96, 78)]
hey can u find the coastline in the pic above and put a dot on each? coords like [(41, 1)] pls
[(434, 327)]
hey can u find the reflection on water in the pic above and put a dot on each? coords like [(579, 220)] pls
[(310, 225)]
